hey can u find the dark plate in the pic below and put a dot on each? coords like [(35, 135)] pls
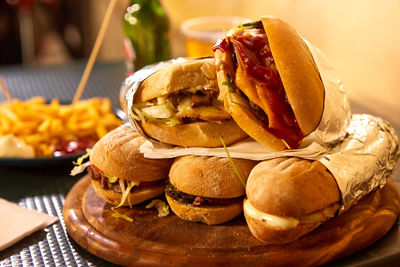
[(61, 160), (35, 162)]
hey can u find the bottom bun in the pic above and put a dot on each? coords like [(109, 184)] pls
[(273, 235), (271, 229), (138, 195), (206, 214), (195, 134)]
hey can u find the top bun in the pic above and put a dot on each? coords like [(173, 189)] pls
[(117, 155), (298, 72), (291, 187), (181, 75), (211, 177)]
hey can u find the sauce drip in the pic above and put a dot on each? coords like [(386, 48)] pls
[(252, 51)]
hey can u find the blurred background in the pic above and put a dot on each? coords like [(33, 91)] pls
[(360, 38)]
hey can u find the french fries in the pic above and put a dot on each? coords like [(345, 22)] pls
[(44, 126)]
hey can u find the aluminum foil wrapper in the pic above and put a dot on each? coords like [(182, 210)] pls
[(331, 129), (365, 159), (130, 86), (360, 151), (336, 116)]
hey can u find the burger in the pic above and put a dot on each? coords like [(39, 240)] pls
[(120, 174), (206, 189), (269, 82), (288, 197), (179, 105)]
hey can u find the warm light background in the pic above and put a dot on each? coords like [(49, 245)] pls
[(361, 38)]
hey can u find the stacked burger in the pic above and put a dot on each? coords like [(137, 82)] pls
[(262, 84), (272, 88), (177, 105)]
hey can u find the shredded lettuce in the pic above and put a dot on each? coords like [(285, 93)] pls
[(139, 115), (231, 84), (126, 191), (162, 208), (117, 215), (80, 160), (286, 144), (125, 194), (173, 122), (112, 179), (235, 171), (226, 38)]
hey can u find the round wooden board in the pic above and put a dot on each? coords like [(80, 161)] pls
[(151, 240)]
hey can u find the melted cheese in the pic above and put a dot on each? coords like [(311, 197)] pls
[(247, 86), (271, 220), (290, 222), (215, 112)]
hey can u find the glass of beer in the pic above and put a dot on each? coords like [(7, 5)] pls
[(203, 32)]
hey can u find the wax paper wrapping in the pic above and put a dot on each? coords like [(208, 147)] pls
[(331, 129), (333, 142)]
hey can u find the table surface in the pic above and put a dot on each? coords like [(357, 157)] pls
[(45, 191)]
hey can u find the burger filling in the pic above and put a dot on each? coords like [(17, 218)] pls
[(198, 201), (318, 216), (185, 106), (258, 81), (114, 184)]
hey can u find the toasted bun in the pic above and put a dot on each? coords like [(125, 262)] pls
[(294, 188), (181, 75), (201, 134), (299, 75), (291, 187), (138, 194), (298, 72), (211, 177), (273, 234), (186, 74), (205, 214), (117, 154)]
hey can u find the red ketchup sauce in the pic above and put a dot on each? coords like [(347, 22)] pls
[(255, 57), (74, 147)]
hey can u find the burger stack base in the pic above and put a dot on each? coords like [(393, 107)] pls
[(171, 241), (271, 48)]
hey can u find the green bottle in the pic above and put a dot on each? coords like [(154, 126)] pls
[(146, 29)]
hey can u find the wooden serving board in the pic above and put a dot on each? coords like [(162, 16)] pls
[(150, 240)]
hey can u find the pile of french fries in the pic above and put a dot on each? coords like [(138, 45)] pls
[(44, 125)]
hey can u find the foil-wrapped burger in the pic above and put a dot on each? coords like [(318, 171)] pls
[(179, 105)]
